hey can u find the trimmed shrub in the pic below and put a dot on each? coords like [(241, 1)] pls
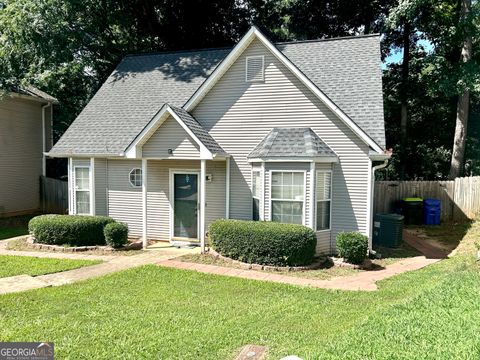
[(116, 234), (266, 243), (73, 230), (352, 246)]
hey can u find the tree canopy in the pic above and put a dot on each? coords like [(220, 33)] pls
[(69, 47)]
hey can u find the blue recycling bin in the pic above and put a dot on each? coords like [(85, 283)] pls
[(432, 209)]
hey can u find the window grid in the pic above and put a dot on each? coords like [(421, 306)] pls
[(287, 196), (323, 199), (135, 177), (82, 190)]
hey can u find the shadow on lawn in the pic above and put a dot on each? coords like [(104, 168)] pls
[(437, 241)]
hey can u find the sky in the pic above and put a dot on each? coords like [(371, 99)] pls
[(396, 57)]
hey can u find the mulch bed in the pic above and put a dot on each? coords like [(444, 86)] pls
[(317, 264), (135, 245)]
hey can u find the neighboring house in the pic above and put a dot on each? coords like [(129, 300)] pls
[(25, 134), (285, 132)]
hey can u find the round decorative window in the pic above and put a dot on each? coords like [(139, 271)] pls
[(135, 177)]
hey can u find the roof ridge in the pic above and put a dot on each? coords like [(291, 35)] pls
[(348, 37), (165, 52)]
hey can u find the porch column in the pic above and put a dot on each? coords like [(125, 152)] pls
[(202, 203), (144, 202)]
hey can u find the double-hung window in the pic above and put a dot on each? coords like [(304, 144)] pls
[(82, 190), (324, 199), (256, 192), (288, 197)]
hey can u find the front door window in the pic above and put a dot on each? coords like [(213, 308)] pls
[(185, 205)]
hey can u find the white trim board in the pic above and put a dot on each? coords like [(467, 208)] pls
[(253, 33), (134, 150)]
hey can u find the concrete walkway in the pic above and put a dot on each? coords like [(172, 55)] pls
[(111, 264), (364, 281), (165, 256)]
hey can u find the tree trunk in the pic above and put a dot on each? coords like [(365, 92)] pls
[(404, 98), (463, 104)]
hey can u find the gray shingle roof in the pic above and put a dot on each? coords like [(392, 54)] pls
[(198, 130), (291, 142), (346, 70), (36, 93)]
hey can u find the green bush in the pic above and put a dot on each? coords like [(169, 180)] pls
[(266, 243), (73, 230), (116, 234), (352, 246)]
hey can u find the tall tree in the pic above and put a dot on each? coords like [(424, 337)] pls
[(463, 104)]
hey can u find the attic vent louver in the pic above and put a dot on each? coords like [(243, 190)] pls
[(254, 68)]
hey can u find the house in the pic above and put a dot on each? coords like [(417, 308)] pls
[(286, 132), (25, 135)]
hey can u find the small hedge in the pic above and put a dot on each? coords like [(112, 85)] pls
[(116, 234), (352, 246), (266, 243), (73, 230)]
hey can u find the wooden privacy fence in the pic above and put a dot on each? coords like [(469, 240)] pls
[(460, 197), (53, 195)]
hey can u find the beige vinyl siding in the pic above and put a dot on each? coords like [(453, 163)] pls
[(170, 135), (159, 197), (48, 128), (239, 114), (124, 200), (100, 187), (21, 155)]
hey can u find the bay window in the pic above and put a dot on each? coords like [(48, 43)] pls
[(287, 196), (323, 192)]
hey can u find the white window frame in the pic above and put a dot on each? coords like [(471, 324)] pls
[(271, 199), (317, 172), (130, 180), (259, 171), (74, 188), (263, 68)]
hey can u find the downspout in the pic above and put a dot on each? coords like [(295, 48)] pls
[(44, 140), (375, 168)]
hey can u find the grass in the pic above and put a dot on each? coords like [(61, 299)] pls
[(26, 265), (14, 226), (154, 312)]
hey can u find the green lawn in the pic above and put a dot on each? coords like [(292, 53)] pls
[(152, 312), (26, 265)]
